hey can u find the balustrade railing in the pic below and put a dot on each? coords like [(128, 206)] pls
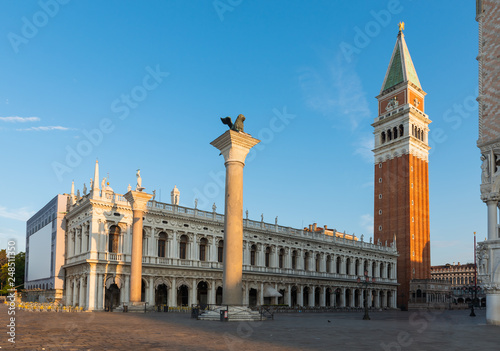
[(190, 212)]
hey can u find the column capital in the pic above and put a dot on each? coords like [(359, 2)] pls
[(138, 199), (234, 146)]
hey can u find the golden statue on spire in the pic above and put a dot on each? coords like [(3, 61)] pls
[(401, 26)]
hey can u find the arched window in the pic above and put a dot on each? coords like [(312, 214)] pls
[(318, 262), (220, 251), (412, 130), (401, 130), (162, 244), (203, 249), (306, 261), (339, 263), (253, 252), (183, 247), (389, 135), (281, 258), (268, 256), (389, 271), (348, 266), (395, 132), (382, 137), (381, 270), (328, 264), (356, 267), (114, 237), (294, 259)]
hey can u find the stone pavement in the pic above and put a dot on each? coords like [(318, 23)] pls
[(388, 330)]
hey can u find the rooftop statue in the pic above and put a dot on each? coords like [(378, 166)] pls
[(237, 126), (139, 181)]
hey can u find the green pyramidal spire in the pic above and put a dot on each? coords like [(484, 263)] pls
[(401, 67)]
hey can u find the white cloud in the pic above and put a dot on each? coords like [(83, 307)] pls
[(335, 91), (16, 119), (364, 147), (43, 128), (21, 214)]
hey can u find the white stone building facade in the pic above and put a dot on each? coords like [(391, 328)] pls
[(183, 252)]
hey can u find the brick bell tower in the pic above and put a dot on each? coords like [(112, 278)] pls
[(401, 210)]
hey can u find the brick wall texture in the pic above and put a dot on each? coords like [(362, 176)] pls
[(403, 183)]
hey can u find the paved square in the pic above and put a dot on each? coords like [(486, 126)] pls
[(389, 330)]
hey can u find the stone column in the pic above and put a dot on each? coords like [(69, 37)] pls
[(300, 295), (492, 303), (300, 260), (211, 293), (152, 249), (377, 270), (322, 297), (312, 295), (122, 292), (261, 294), (172, 294), (492, 219), (126, 289), (91, 287), (100, 292), (71, 238), (151, 298), (94, 236), (174, 247), (194, 293), (213, 252), (75, 292), (81, 292), (138, 200), (246, 296), (78, 240), (128, 241), (69, 292), (234, 146)]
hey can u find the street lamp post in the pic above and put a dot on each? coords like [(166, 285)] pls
[(365, 281)]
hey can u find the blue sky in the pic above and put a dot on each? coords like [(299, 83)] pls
[(143, 84)]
